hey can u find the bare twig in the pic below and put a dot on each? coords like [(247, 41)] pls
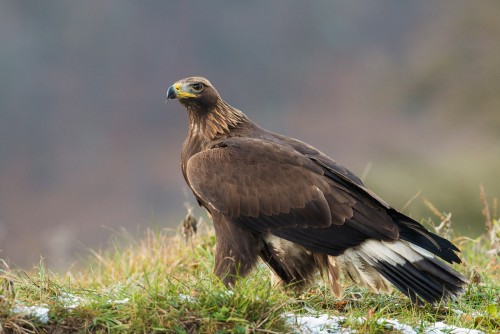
[(189, 227), (486, 208), (433, 209), (411, 200), (493, 225), (444, 227)]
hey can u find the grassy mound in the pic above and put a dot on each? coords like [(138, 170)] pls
[(164, 283)]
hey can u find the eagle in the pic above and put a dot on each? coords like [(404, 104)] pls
[(301, 212)]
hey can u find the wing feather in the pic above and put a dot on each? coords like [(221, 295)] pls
[(270, 187)]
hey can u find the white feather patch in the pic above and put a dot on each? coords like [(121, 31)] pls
[(397, 252)]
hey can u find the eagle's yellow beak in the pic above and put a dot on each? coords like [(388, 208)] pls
[(178, 91)]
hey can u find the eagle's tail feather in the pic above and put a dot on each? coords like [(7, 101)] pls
[(416, 234), (413, 270)]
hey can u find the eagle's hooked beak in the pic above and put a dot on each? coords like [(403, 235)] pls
[(179, 91), (171, 95)]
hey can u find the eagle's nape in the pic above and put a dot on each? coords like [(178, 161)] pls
[(277, 198)]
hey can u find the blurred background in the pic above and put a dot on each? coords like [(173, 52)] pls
[(407, 93)]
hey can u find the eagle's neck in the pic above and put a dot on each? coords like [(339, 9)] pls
[(207, 125)]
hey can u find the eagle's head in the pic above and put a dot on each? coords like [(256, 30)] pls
[(195, 93), (210, 116)]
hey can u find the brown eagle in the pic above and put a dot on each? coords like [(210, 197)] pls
[(280, 199)]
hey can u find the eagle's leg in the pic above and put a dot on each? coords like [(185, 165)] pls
[(236, 251), (294, 265)]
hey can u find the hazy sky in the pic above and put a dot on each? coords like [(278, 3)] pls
[(87, 144)]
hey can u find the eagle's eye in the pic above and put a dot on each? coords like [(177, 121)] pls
[(197, 87)]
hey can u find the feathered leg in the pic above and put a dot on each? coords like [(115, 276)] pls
[(236, 251), (292, 263)]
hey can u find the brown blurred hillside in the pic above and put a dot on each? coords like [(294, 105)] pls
[(87, 144)]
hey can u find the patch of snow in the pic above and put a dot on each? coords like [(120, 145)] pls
[(118, 301), (442, 328), (396, 325), (229, 292), (39, 312), (71, 301), (322, 324), (186, 298), (325, 324)]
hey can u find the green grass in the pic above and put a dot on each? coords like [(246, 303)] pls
[(163, 283)]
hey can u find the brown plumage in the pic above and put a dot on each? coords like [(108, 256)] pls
[(277, 198)]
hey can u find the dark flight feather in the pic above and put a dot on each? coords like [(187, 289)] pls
[(281, 199)]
